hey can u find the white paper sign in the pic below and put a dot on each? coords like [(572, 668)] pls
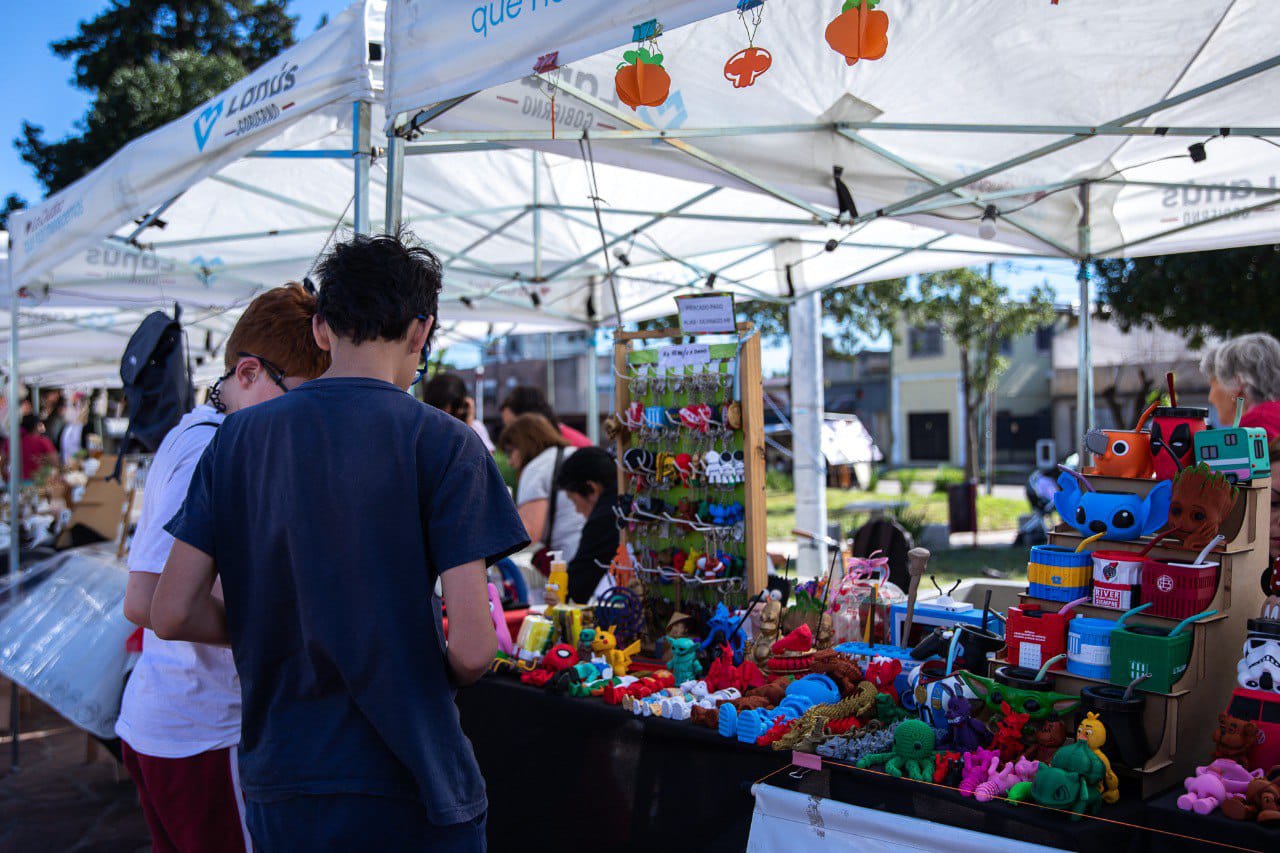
[(711, 314), (677, 358)]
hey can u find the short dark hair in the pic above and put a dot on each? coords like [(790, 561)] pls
[(30, 423), (588, 465), (447, 392), (374, 286), (530, 399)]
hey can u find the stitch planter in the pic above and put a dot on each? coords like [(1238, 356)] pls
[(1089, 649), (1117, 579), (1178, 590)]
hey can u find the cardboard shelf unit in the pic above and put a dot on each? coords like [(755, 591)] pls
[(751, 390), (1179, 724)]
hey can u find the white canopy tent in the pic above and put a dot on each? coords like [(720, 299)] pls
[(1069, 123)]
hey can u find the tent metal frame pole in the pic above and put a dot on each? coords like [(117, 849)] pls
[(609, 244), (643, 134), (1084, 371), (712, 217), (15, 508), (593, 383), (1166, 185), (847, 279), (452, 148), (1058, 145), (245, 186), (963, 195), (363, 157), (537, 222), (300, 154), (696, 153), (395, 184), (150, 218)]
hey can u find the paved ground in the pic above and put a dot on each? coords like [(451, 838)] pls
[(57, 802)]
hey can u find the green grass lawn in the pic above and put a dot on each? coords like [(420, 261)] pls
[(994, 513)]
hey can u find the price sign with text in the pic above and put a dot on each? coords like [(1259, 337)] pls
[(706, 313)]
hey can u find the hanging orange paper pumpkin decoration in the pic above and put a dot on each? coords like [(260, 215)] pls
[(641, 80), (860, 31)]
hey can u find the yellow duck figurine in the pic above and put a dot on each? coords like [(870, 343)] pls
[(1092, 731), (605, 644)]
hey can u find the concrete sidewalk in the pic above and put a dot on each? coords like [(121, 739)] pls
[(57, 802)]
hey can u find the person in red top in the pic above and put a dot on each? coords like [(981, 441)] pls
[(528, 399), (36, 448), (1249, 366)]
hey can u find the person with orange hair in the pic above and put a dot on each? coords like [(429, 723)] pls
[(180, 715)]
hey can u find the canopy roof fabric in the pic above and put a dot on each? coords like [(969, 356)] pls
[(1072, 120)]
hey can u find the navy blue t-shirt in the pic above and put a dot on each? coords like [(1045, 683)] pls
[(330, 513)]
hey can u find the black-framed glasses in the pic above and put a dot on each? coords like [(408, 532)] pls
[(276, 374)]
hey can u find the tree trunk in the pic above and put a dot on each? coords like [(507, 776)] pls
[(970, 462)]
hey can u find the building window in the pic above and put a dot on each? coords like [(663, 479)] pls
[(924, 341), (1044, 339)]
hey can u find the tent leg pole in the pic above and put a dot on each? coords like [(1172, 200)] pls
[(593, 391), (1084, 375), (360, 153), (15, 512), (395, 183), (807, 404)]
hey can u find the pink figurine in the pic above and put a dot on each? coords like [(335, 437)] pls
[(499, 621), (999, 784), (978, 766), (1212, 785)]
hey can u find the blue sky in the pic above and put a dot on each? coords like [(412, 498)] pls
[(39, 88)]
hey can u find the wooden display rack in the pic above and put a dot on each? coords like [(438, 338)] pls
[(1179, 724), (751, 389)]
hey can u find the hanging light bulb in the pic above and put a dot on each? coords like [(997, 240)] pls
[(987, 227)]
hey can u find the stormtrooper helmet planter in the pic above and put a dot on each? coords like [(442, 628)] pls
[(1256, 698)]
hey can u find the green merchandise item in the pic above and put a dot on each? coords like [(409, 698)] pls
[(912, 754), (1070, 782), (1036, 704), (888, 711), (684, 663)]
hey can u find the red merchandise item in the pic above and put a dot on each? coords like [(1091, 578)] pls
[(882, 673)]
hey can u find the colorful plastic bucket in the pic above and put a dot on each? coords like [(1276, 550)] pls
[(1117, 579), (1178, 590), (1089, 647)]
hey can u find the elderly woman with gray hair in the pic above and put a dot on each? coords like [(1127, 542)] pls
[(1249, 367)]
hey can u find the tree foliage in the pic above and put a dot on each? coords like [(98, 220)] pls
[(1227, 293), (858, 312), (146, 62), (977, 314), (12, 202)]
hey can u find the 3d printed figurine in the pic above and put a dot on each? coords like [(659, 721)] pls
[(1092, 731), (1234, 738), (1201, 502), (723, 673), (826, 633), (558, 658), (684, 659), (1238, 453), (723, 627), (812, 723), (842, 669), (1122, 453), (883, 672), (978, 767), (770, 622), (965, 734), (1214, 784), (1261, 801), (499, 621), (606, 645), (912, 753), (1000, 783), (1049, 737), (866, 742), (1070, 782), (1119, 516), (793, 653), (1008, 739), (1036, 704), (888, 710), (801, 695)]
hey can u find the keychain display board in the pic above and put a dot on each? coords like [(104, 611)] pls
[(1178, 722), (682, 398)]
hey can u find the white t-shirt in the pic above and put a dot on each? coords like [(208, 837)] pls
[(183, 698), (535, 484)]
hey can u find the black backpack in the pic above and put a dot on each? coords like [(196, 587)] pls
[(157, 383)]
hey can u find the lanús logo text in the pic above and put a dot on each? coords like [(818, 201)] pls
[(253, 94)]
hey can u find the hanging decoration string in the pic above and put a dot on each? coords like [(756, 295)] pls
[(588, 158)]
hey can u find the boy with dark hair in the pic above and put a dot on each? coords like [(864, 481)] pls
[(331, 513), (180, 715)]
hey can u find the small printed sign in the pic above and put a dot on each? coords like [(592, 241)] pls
[(706, 314), (675, 359)]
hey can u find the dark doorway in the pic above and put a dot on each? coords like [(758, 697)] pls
[(929, 436)]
